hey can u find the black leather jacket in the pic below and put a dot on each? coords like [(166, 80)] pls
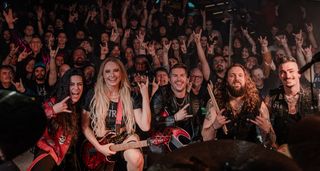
[(280, 118), (164, 105)]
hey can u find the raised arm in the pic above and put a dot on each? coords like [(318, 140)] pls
[(282, 39), (144, 19), (204, 63), (250, 40), (143, 115), (267, 64), (311, 36), (52, 66), (124, 19)]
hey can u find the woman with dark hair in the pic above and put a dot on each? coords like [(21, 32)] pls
[(57, 145)]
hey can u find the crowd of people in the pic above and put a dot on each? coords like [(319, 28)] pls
[(138, 67)]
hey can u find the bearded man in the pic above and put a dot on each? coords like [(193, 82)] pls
[(245, 116)]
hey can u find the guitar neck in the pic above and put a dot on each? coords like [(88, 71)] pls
[(130, 145)]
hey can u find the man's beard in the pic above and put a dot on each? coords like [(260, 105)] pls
[(40, 77), (236, 92), (80, 63)]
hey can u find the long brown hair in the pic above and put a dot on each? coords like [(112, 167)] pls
[(251, 92)]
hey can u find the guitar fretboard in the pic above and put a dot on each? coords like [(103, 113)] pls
[(125, 146)]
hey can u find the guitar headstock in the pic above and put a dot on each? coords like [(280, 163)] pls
[(159, 139)]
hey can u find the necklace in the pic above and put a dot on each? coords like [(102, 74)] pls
[(238, 107), (291, 99), (180, 104), (292, 103)]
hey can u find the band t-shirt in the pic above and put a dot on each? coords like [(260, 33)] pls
[(112, 112)]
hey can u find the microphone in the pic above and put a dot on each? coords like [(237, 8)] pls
[(315, 58)]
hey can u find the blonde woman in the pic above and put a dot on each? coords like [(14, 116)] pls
[(111, 95)]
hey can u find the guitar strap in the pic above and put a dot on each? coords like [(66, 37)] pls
[(119, 117)]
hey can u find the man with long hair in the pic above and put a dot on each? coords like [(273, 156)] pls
[(57, 146), (242, 111), (111, 98)]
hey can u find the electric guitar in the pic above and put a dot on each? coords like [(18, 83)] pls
[(179, 138), (92, 158)]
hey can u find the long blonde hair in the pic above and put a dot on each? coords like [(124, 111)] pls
[(100, 102)]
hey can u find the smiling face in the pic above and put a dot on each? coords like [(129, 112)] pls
[(288, 73), (257, 77), (112, 74), (76, 88), (236, 81), (35, 44), (162, 78), (5, 76), (219, 64), (40, 73), (178, 79), (196, 77)]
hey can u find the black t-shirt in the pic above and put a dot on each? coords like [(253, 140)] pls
[(112, 112)]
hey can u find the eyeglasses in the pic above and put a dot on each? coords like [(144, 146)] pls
[(196, 76)]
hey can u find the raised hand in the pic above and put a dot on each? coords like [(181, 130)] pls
[(109, 6), (307, 52), (51, 41), (263, 41), (298, 38), (143, 86), (282, 39), (210, 49), (197, 36), (153, 10), (182, 113), (126, 3), (144, 3), (183, 46), (19, 86), (309, 27), (62, 106), (23, 54), (220, 120), (141, 36), (113, 23), (53, 53), (155, 85), (127, 33), (244, 31), (13, 51), (166, 46), (104, 50), (39, 12), (10, 19), (180, 21), (151, 48), (73, 16), (114, 35), (203, 13)]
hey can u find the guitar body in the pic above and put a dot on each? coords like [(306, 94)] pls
[(179, 138), (93, 158)]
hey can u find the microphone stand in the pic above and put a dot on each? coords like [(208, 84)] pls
[(314, 105)]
